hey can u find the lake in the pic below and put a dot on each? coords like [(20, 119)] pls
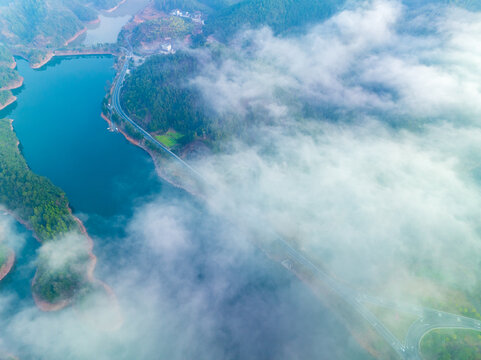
[(108, 29), (173, 307)]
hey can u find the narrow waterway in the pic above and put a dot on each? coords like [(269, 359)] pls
[(262, 312)]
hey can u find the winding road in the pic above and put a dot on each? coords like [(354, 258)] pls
[(428, 319), (118, 108)]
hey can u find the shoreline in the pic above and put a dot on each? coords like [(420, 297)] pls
[(129, 138), (115, 7), (7, 267), (15, 85), (42, 62), (92, 22), (49, 307), (10, 101), (49, 56), (44, 305), (60, 53), (91, 269), (75, 36), (158, 169)]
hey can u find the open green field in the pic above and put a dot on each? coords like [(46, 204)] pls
[(170, 139)]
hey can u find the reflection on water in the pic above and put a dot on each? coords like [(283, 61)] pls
[(107, 30), (130, 7)]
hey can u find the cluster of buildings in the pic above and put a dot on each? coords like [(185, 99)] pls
[(196, 17)]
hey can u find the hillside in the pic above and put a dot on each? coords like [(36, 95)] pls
[(157, 95), (34, 28), (207, 6), (280, 15), (36, 201)]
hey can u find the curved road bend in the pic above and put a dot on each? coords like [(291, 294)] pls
[(118, 108), (429, 319)]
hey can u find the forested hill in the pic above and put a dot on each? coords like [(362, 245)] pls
[(34, 28), (157, 96), (46, 23), (473, 5), (33, 198), (206, 6), (226, 17), (280, 15)]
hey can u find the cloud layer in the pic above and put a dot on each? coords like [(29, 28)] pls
[(368, 158), (379, 56), (369, 162)]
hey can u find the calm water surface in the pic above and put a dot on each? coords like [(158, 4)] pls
[(106, 178), (111, 23)]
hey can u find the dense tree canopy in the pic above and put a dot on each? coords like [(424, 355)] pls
[(7, 76), (280, 15), (451, 344), (34, 198), (158, 96)]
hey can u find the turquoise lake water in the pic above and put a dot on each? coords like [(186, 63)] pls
[(266, 313)]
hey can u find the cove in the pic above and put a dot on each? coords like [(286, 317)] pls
[(266, 314)]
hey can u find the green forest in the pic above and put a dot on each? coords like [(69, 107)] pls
[(44, 24), (54, 285), (173, 27), (451, 345), (157, 95), (8, 76), (226, 17), (5, 56), (44, 206), (4, 252), (39, 23), (34, 198), (5, 96), (280, 15)]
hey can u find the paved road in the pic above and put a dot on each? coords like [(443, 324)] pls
[(295, 260), (118, 108), (429, 319), (433, 319)]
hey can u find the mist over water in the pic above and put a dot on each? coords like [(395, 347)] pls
[(106, 31), (189, 284), (371, 166), (110, 23), (365, 157)]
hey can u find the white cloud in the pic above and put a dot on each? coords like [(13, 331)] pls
[(370, 201), (357, 193), (371, 58)]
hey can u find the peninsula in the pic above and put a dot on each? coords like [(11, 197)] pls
[(42, 207)]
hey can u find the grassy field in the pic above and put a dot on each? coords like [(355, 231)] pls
[(170, 139)]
